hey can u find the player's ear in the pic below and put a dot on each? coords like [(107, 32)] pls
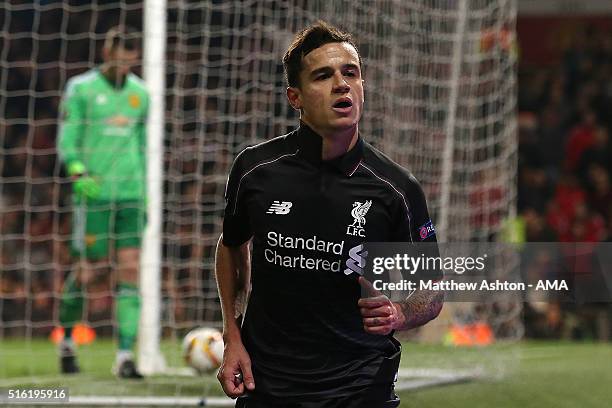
[(106, 54), (294, 97), (363, 87)]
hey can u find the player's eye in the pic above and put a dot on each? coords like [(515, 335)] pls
[(350, 73), (321, 77)]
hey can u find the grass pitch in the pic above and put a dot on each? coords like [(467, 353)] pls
[(529, 374)]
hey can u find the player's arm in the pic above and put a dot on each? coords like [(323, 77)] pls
[(418, 309), (380, 315), (73, 109), (73, 123), (423, 305), (232, 268)]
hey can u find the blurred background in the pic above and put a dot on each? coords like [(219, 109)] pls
[(533, 128), (564, 151)]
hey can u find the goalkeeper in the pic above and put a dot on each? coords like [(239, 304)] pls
[(102, 144)]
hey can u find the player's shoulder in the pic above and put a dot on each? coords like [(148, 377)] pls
[(381, 166), (75, 83), (265, 152), (137, 83)]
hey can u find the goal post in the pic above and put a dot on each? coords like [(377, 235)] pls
[(449, 137), (150, 357)]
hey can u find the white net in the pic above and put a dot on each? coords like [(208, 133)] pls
[(440, 89)]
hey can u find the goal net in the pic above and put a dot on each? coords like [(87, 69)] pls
[(440, 100)]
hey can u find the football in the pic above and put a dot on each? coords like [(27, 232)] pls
[(203, 349)]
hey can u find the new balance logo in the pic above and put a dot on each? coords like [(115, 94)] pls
[(280, 207)]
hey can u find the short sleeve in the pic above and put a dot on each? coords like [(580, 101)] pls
[(72, 123), (413, 223), (236, 224)]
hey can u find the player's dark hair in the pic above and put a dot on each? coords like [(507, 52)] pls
[(123, 36), (307, 40)]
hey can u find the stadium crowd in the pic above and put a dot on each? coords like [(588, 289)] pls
[(565, 149), (565, 167), (564, 183)]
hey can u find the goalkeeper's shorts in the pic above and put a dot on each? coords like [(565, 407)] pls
[(96, 225)]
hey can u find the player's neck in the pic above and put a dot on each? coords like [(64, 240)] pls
[(336, 143), (339, 143), (111, 76)]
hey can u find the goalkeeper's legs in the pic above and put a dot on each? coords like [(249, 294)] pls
[(90, 249), (71, 312), (128, 311)]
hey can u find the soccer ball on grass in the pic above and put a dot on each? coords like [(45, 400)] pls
[(203, 349)]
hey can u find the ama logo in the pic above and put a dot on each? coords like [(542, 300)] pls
[(426, 230)]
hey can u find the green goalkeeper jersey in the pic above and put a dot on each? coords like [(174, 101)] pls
[(104, 129)]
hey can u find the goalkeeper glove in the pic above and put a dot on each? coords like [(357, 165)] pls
[(84, 186)]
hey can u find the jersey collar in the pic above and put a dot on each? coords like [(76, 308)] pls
[(310, 145), (110, 84)]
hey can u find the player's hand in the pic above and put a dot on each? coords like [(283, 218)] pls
[(86, 187), (380, 315), (235, 373)]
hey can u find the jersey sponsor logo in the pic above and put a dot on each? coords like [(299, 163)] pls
[(314, 253), (134, 101), (358, 212), (118, 120), (101, 99), (426, 230), (280, 207), (357, 260)]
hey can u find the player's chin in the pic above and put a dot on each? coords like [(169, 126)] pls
[(344, 122)]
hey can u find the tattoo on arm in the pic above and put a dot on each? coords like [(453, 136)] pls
[(421, 307)]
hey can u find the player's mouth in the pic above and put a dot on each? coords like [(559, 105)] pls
[(343, 105)]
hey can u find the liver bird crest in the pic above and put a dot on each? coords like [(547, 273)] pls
[(358, 212)]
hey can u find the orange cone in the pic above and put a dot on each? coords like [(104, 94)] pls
[(81, 334)]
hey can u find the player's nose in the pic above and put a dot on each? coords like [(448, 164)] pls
[(339, 83)]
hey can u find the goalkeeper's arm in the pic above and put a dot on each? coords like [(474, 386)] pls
[(71, 131)]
